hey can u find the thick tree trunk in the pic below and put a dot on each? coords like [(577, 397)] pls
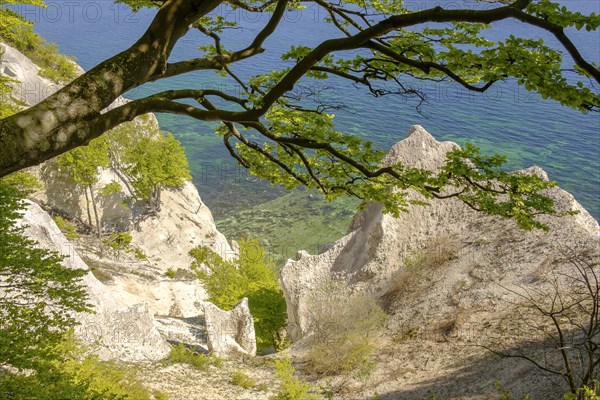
[(66, 119)]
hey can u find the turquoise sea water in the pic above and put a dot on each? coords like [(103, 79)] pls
[(507, 119)]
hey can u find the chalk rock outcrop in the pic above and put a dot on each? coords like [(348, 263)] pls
[(477, 252), (30, 88), (165, 239), (230, 333), (122, 332)]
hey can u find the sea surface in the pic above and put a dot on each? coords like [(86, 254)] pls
[(506, 119)]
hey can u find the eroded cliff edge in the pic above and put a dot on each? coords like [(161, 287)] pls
[(132, 294)]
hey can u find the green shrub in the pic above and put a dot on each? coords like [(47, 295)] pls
[(73, 373), (158, 395), (6, 108), (109, 189), (290, 387), (25, 182), (346, 328), (505, 394), (139, 254), (66, 227), (171, 273), (40, 296), (54, 66), (183, 355), (118, 242), (252, 276), (239, 378), (591, 392)]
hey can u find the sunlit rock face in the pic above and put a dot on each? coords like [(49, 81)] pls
[(119, 331), (230, 333), (475, 252), (30, 88), (132, 285)]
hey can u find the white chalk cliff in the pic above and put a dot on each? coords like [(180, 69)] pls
[(133, 291), (122, 332), (373, 257)]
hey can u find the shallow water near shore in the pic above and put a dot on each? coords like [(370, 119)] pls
[(506, 119)]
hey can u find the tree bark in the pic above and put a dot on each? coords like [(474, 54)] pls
[(87, 206), (98, 228), (74, 115), (60, 122)]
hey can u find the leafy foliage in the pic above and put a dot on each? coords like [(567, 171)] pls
[(73, 373), (118, 242), (171, 273), (290, 387), (66, 227), (109, 189), (285, 135), (25, 182), (18, 32), (39, 295), (252, 276), (239, 378), (154, 164), (183, 355), (345, 329), (148, 162), (7, 106), (591, 392), (478, 180), (83, 162)]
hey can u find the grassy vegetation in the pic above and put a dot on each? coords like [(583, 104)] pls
[(299, 220), (158, 395), (346, 328), (253, 276), (180, 354), (74, 373), (241, 379), (290, 387), (171, 273), (54, 66), (438, 251), (118, 242), (66, 227), (421, 265)]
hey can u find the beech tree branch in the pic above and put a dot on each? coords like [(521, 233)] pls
[(73, 116)]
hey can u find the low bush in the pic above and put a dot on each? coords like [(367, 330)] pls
[(591, 392), (290, 387), (253, 276), (420, 267), (25, 182), (239, 378), (180, 354), (345, 331), (171, 273), (66, 227), (158, 395), (74, 373), (118, 242)]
